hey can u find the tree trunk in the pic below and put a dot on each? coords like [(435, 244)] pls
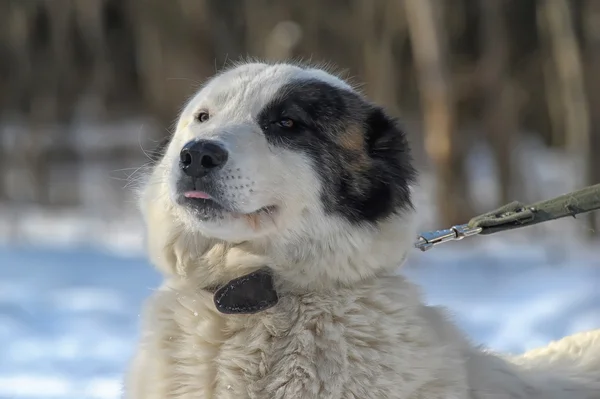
[(381, 24), (556, 19), (591, 26), (500, 115), (438, 105)]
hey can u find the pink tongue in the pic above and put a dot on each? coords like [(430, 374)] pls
[(197, 194)]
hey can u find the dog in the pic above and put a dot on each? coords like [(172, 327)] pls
[(279, 212)]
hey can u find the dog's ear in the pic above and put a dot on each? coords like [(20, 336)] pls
[(379, 126), (387, 141)]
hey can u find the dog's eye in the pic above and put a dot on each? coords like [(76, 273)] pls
[(202, 116), (286, 123)]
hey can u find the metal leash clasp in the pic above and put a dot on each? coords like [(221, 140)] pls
[(430, 239)]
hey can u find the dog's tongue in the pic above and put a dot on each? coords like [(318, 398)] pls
[(197, 194)]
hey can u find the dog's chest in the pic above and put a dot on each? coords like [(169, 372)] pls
[(212, 355), (305, 347), (272, 354)]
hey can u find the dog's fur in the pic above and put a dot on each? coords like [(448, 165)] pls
[(335, 173)]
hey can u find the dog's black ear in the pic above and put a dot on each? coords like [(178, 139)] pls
[(379, 125), (393, 172), (387, 141)]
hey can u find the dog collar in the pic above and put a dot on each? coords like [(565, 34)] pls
[(248, 294)]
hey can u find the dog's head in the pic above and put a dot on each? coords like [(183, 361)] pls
[(289, 163)]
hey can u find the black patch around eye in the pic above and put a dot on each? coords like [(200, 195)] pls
[(311, 104), (362, 187), (286, 123)]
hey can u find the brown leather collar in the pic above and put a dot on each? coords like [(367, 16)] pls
[(248, 294)]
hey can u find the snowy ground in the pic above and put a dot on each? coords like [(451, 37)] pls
[(69, 319)]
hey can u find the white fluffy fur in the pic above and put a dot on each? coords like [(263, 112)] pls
[(347, 326)]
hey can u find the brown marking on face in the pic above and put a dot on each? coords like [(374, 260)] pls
[(353, 141)]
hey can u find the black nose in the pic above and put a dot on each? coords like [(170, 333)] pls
[(200, 157)]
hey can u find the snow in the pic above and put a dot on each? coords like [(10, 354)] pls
[(68, 321), (69, 318), (513, 297)]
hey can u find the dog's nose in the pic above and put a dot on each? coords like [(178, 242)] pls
[(198, 158)]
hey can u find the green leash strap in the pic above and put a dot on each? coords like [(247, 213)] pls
[(516, 215)]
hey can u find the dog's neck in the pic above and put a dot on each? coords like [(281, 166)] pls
[(343, 255), (311, 261)]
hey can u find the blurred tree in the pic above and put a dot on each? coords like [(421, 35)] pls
[(556, 21), (500, 112), (173, 52), (591, 28), (453, 64), (438, 104), (382, 22)]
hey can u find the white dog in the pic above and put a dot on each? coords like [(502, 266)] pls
[(279, 214)]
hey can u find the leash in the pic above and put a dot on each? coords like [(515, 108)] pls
[(516, 215)]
